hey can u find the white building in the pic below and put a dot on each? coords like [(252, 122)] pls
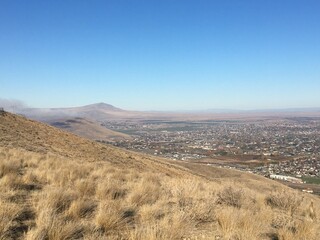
[(286, 178)]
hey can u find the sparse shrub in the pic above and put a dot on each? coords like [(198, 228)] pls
[(284, 201), (203, 211), (281, 221), (230, 196)]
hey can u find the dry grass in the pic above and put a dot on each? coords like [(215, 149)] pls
[(9, 212), (79, 200), (76, 189)]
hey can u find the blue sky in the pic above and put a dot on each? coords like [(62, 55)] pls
[(161, 54)]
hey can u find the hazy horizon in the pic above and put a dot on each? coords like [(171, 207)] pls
[(14, 104), (161, 55)]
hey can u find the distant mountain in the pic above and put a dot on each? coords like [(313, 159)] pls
[(100, 106), (84, 121), (96, 112)]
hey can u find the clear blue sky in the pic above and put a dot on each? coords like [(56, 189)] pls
[(161, 54)]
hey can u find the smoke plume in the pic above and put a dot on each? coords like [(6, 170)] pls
[(12, 105)]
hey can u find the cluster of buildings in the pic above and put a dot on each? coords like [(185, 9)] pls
[(284, 147), (298, 168)]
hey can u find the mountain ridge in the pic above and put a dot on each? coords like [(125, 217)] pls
[(100, 112)]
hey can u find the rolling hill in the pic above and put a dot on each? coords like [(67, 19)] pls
[(89, 129), (57, 185), (96, 112)]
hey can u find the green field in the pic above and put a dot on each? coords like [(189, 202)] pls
[(313, 180)]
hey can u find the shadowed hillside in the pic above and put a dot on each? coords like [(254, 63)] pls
[(89, 129), (56, 185)]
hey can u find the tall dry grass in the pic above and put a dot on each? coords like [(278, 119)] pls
[(44, 196)]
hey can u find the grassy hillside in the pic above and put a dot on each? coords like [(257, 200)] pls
[(55, 185)]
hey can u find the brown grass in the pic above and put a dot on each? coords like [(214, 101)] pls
[(70, 188), (73, 199)]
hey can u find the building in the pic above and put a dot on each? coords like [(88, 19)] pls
[(286, 178)]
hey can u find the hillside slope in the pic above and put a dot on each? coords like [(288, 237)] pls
[(56, 185), (89, 129)]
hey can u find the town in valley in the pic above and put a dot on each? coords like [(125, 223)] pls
[(286, 149)]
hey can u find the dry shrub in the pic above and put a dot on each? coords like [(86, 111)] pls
[(230, 197), (199, 210), (281, 221), (284, 201), (202, 211)]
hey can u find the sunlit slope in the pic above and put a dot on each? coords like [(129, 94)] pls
[(20, 132)]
